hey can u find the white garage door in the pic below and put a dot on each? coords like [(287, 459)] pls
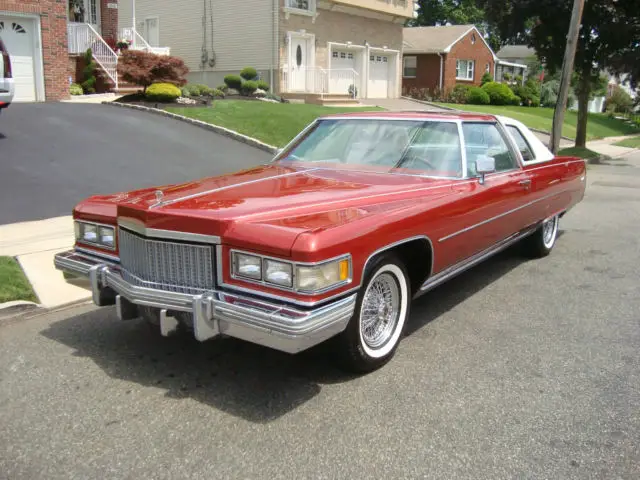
[(378, 76), (340, 77), (17, 34)]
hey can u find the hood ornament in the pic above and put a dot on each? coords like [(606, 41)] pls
[(159, 197)]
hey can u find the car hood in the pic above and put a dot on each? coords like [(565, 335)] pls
[(266, 207)]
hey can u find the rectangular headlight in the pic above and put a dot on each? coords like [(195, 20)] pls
[(89, 233), (248, 266), (278, 273), (95, 234), (106, 236), (324, 276)]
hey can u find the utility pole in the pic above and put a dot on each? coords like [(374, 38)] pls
[(567, 69)]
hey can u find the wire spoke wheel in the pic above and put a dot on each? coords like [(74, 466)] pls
[(549, 231), (380, 310)]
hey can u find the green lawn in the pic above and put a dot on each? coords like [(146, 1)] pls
[(272, 123), (579, 152), (13, 283), (629, 142), (599, 125)]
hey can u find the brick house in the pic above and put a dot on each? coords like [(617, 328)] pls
[(438, 58), (45, 40), (316, 50)]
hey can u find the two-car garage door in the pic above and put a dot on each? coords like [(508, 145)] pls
[(17, 33)]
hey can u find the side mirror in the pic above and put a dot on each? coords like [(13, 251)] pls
[(484, 165)]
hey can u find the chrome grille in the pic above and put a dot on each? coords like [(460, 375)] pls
[(165, 265)]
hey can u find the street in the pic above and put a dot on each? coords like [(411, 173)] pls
[(515, 369), (83, 150)]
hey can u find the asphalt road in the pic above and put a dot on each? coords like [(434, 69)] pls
[(52, 155), (516, 369)]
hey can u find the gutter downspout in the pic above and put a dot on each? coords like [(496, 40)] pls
[(275, 36), (441, 72), (133, 22)]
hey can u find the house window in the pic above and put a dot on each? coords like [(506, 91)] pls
[(372, 58), (94, 12), (334, 54), (487, 68), (343, 55), (409, 67), (473, 39), (307, 5), (464, 69), (350, 56)]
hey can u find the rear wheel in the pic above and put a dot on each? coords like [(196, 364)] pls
[(540, 243), (382, 307)]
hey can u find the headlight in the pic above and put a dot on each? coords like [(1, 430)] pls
[(247, 266), (278, 273), (321, 277), (96, 234)]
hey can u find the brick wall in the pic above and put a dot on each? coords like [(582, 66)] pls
[(109, 21), (465, 49), (427, 73), (53, 24)]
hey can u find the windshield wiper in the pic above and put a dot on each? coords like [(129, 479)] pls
[(409, 145)]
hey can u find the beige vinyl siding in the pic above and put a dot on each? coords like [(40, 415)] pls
[(242, 31)]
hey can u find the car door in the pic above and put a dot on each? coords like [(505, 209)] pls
[(487, 212)]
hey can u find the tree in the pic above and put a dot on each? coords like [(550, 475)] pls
[(143, 68), (609, 39), (88, 73), (455, 12)]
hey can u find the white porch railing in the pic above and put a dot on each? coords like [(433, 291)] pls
[(320, 81), (83, 36), (139, 43)]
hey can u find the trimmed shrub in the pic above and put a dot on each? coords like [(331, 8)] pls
[(499, 93), (477, 96), (162, 92), (529, 94), (619, 101), (223, 87), (217, 93), (486, 78), (516, 100), (262, 85), (249, 73), (459, 93), (144, 68), (249, 87), (233, 81), (89, 79), (75, 89)]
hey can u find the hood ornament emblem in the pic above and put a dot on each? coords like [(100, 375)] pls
[(159, 197)]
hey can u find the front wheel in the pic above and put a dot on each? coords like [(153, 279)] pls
[(382, 308), (540, 243)]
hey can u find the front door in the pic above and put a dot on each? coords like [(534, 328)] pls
[(85, 11), (299, 71), (152, 31)]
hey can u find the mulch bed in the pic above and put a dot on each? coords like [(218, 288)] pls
[(140, 99)]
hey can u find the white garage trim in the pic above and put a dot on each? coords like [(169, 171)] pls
[(394, 69), (37, 46)]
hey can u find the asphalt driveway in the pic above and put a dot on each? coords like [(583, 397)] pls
[(516, 369), (53, 155)]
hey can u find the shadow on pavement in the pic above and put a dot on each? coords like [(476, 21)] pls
[(245, 380)]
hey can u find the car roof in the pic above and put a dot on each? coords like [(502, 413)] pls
[(418, 114)]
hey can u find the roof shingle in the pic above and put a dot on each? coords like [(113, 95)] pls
[(432, 39)]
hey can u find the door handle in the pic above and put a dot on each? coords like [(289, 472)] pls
[(526, 183)]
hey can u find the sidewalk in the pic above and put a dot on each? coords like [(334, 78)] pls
[(606, 147), (34, 244)]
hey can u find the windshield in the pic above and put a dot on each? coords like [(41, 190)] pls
[(424, 147)]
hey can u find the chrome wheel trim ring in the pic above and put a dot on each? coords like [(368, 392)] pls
[(550, 231), (382, 311)]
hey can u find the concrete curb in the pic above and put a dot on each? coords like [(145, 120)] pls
[(208, 126), (549, 133)]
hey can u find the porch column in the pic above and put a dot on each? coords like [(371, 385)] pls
[(109, 20)]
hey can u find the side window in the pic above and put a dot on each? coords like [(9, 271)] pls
[(521, 142), (484, 139)]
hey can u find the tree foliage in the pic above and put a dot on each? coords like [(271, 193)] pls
[(88, 73), (144, 68), (609, 39)]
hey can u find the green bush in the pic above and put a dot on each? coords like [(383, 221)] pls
[(619, 101), (233, 81), (262, 85), (249, 73), (89, 79), (217, 93), (529, 94), (249, 87), (486, 78), (223, 87), (75, 89), (459, 94), (477, 96), (499, 93), (516, 100), (162, 92)]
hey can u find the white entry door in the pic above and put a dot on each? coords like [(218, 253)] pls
[(152, 31), (18, 34), (299, 73), (378, 86)]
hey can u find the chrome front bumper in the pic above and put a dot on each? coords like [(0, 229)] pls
[(214, 313)]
